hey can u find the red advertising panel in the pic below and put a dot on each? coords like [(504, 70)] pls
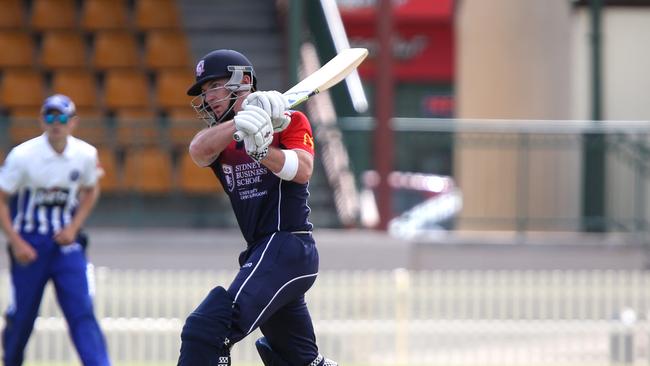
[(423, 39)]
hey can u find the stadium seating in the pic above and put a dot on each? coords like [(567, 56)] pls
[(114, 49), (63, 49), (110, 181), (126, 89), (167, 49), (147, 170), (90, 112), (26, 125), (78, 84), (104, 14), (53, 14), (21, 133), (125, 63), (21, 88), (17, 48), (92, 129), (156, 14), (194, 179), (12, 14), (137, 127), (24, 113), (171, 88), (182, 126)]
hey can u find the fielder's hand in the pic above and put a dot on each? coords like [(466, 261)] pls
[(66, 236), (274, 104), (23, 252), (256, 125)]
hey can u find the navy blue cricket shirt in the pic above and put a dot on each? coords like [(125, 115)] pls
[(264, 203)]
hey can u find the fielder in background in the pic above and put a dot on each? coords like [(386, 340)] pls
[(266, 178), (48, 187)]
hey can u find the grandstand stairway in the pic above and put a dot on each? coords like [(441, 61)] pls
[(250, 27)]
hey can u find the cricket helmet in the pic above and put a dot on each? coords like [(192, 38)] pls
[(223, 63)]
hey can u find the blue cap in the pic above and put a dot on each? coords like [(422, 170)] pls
[(61, 103)]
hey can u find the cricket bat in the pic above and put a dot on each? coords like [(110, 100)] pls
[(322, 79)]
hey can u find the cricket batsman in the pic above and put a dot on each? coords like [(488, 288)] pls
[(266, 177)]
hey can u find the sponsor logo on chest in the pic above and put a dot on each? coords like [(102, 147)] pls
[(242, 176), (51, 196)]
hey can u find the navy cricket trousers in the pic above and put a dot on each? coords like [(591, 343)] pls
[(67, 268), (269, 293)]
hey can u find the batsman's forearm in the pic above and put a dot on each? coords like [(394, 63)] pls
[(275, 161), (210, 142)]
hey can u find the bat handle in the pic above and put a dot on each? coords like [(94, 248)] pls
[(238, 136)]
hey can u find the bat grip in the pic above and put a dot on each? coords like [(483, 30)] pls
[(238, 136)]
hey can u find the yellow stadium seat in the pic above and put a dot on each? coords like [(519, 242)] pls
[(167, 49), (26, 113), (196, 180), (17, 48), (54, 14), (137, 127), (92, 128), (12, 14), (126, 89), (63, 49), (171, 88), (80, 85), (104, 14), (21, 133), (156, 14), (21, 88), (147, 170), (113, 49), (183, 125), (24, 125), (107, 160), (94, 113)]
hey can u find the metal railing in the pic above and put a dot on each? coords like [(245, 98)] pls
[(388, 317), (522, 175)]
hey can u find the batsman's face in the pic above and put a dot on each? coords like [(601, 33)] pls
[(216, 96)]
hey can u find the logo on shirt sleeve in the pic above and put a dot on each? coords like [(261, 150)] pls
[(308, 140)]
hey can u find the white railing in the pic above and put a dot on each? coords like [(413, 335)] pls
[(387, 317)]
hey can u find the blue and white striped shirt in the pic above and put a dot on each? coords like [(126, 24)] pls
[(44, 184)]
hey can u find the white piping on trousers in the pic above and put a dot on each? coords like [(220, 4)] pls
[(279, 202), (276, 294), (254, 269)]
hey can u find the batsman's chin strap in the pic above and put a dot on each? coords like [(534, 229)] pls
[(230, 112)]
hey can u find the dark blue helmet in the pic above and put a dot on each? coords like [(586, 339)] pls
[(219, 64)]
